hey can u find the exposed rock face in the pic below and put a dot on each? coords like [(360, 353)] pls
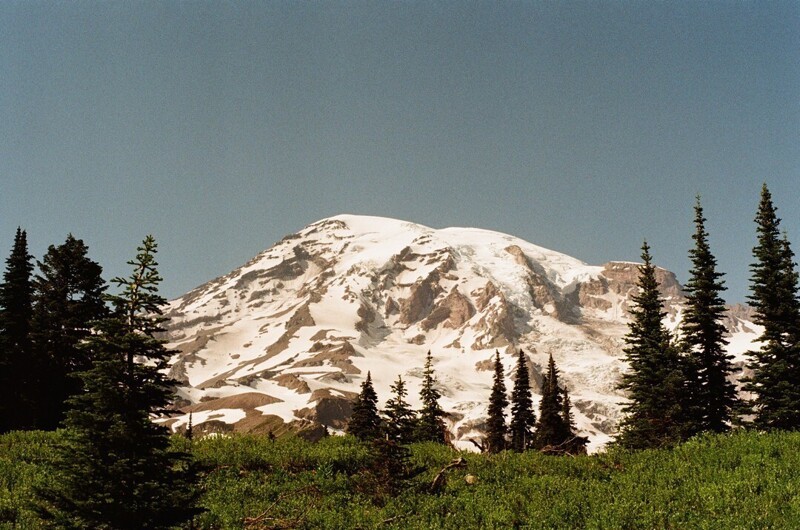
[(285, 341)]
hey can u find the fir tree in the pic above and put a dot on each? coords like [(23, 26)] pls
[(400, 418), (497, 430), (365, 424), (712, 399), (116, 468), (17, 363), (68, 297), (551, 431), (566, 413), (522, 416), (774, 297), (654, 381), (430, 426)]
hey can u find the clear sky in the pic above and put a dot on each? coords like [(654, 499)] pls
[(221, 126)]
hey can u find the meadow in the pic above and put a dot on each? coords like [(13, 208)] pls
[(743, 480)]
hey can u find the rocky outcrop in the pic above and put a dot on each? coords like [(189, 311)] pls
[(452, 312)]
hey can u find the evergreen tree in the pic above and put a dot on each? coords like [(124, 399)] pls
[(550, 428), (68, 297), (365, 424), (116, 469), (17, 364), (497, 430), (712, 398), (654, 381), (566, 413), (430, 426), (774, 297), (400, 418), (522, 416)]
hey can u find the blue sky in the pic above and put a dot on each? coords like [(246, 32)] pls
[(220, 127)]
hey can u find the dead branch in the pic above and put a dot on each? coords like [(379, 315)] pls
[(441, 477)]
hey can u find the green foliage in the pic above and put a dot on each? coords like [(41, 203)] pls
[(115, 468), (655, 415), (523, 418), (430, 425), (364, 423), (68, 298), (551, 429), (496, 428), (400, 418), (774, 298), (740, 480), (712, 400), (17, 362)]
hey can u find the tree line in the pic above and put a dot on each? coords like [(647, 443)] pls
[(398, 423), (681, 384)]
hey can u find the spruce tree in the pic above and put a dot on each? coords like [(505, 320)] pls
[(116, 469), (654, 382), (497, 429), (774, 298), (400, 418), (68, 297), (551, 431), (18, 367), (430, 426), (712, 398), (523, 418), (566, 413), (364, 423)]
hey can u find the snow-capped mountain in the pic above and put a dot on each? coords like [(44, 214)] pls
[(288, 338)]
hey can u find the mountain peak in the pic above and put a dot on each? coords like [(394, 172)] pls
[(304, 321)]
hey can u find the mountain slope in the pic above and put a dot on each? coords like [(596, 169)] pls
[(290, 336)]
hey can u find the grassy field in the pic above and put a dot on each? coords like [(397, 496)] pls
[(743, 481)]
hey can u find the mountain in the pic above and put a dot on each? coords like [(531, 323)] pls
[(285, 341)]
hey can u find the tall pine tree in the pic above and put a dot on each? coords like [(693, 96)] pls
[(774, 297), (116, 468), (712, 398), (655, 379), (18, 366), (400, 418), (430, 426), (68, 297), (496, 427), (551, 430), (523, 418), (364, 423)]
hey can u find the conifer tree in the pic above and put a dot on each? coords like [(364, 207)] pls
[(17, 363), (400, 418), (774, 297), (523, 418), (430, 426), (68, 297), (566, 413), (116, 469), (712, 399), (497, 429), (550, 427), (365, 424), (654, 381)]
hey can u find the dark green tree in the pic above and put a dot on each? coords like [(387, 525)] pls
[(18, 365), (364, 423), (551, 431), (774, 297), (712, 399), (523, 418), (496, 427), (400, 417), (430, 426), (566, 413), (654, 381), (116, 469), (68, 298)]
